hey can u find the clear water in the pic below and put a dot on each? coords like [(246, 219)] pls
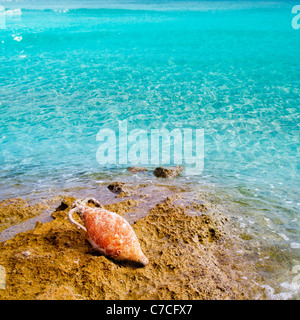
[(232, 68)]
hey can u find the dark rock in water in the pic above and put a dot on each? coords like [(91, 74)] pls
[(136, 169), (116, 187), (168, 172), (121, 188)]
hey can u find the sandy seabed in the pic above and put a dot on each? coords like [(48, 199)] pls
[(194, 252)]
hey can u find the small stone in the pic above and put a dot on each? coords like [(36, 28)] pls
[(136, 169), (168, 172), (116, 187), (26, 253), (121, 188)]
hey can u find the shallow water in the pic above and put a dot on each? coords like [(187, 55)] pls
[(229, 68)]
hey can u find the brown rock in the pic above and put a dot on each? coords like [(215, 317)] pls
[(116, 187), (13, 211), (168, 172), (136, 169), (121, 188)]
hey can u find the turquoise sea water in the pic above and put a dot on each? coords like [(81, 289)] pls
[(231, 68)]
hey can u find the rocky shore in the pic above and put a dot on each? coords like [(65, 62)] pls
[(193, 251)]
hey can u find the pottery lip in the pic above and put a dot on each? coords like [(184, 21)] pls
[(82, 207)]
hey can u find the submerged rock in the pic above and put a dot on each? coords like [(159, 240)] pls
[(168, 172), (117, 187), (121, 188), (136, 169)]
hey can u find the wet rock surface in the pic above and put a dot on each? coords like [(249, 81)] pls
[(122, 189), (136, 169), (168, 172), (13, 211)]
